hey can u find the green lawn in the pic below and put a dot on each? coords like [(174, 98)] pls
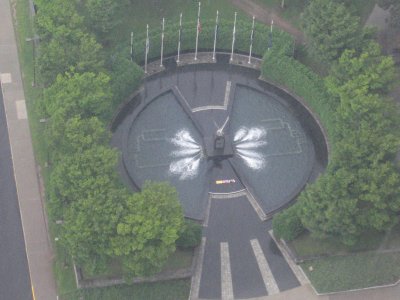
[(307, 246), (180, 259), (169, 290), (363, 270)]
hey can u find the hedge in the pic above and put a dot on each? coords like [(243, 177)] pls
[(287, 224), (286, 71), (281, 40)]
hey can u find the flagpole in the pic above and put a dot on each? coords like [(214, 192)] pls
[(162, 42), (179, 41), (233, 36), (147, 49), (197, 32), (215, 35), (251, 40), (270, 35), (131, 46)]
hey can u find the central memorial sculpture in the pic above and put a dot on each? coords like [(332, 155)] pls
[(208, 130)]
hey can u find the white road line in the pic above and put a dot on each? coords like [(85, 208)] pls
[(297, 271), (257, 208), (226, 275), (208, 107), (268, 278), (207, 216), (222, 107), (21, 110), (227, 93), (195, 284)]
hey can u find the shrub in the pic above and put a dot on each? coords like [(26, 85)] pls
[(190, 236), (126, 76), (287, 224), (286, 71)]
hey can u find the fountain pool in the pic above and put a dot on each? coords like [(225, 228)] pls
[(218, 129)]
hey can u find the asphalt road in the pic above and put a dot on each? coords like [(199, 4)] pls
[(14, 272)]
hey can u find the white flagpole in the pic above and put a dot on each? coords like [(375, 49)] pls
[(162, 42), (179, 41), (215, 36), (147, 49), (131, 46), (251, 40), (233, 36), (197, 32), (270, 35)]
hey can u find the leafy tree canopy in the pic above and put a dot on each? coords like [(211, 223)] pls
[(368, 72), (86, 95), (147, 232), (330, 29), (74, 50), (101, 15), (57, 17)]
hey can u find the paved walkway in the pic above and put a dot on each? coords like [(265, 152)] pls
[(265, 16), (38, 246)]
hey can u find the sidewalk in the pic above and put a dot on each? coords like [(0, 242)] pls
[(38, 247)]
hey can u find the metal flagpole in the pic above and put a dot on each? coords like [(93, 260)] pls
[(233, 36), (180, 32), (131, 46), (197, 32), (162, 42), (215, 35), (270, 35), (147, 49), (251, 40)]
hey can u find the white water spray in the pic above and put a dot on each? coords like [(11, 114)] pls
[(189, 153), (246, 142)]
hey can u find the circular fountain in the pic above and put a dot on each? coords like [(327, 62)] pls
[(218, 129)]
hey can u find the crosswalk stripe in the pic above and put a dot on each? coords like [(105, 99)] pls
[(268, 278), (226, 275), (195, 284)]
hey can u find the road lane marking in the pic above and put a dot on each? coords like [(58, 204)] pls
[(226, 274), (195, 284), (268, 278)]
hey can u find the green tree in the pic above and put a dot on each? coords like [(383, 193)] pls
[(89, 225), (64, 42), (395, 16), (56, 17), (368, 72), (147, 232), (330, 29), (125, 78), (86, 95), (101, 15), (328, 209), (74, 50), (81, 175)]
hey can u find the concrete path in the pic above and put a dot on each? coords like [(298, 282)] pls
[(265, 16), (38, 246), (240, 261)]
